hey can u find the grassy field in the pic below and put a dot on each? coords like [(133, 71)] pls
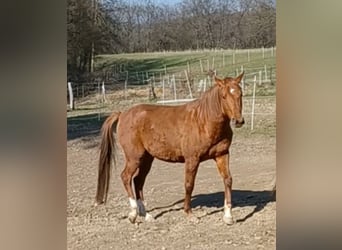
[(226, 62), (140, 69)]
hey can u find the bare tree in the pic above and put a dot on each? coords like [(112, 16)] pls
[(116, 26)]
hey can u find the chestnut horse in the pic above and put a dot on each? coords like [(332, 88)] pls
[(191, 133)]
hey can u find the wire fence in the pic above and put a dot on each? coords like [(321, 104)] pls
[(117, 86)]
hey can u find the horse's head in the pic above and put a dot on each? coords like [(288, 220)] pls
[(231, 95)]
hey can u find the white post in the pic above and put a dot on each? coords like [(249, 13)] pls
[(265, 69), (187, 80), (163, 89), (174, 86), (242, 81), (103, 92), (200, 84), (213, 65), (209, 81), (188, 67), (201, 65), (99, 93), (253, 103), (260, 76), (233, 57), (126, 85), (71, 96)]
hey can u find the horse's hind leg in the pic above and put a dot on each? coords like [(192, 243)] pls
[(127, 175), (139, 182)]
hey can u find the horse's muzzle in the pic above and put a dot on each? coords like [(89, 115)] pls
[(237, 123)]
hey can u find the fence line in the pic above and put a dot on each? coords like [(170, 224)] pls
[(181, 86)]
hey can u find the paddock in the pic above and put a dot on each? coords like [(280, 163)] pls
[(252, 165)]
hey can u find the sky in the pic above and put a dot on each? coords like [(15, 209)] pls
[(160, 1), (167, 1)]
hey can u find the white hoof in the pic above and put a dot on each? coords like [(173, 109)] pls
[(149, 217), (228, 220), (132, 216)]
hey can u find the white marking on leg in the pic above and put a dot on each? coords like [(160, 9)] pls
[(227, 209), (149, 217), (228, 217), (134, 213), (133, 202)]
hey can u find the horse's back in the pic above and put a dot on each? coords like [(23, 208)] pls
[(156, 129)]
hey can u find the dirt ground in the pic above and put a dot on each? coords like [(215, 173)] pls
[(252, 164)]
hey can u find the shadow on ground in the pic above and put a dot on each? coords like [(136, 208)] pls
[(241, 198), (84, 126)]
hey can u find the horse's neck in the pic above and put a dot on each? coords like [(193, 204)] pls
[(216, 124), (215, 115), (219, 125)]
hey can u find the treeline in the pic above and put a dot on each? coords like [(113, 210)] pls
[(119, 26)]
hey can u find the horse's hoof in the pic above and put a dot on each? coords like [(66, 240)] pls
[(98, 203), (192, 218), (228, 220), (149, 217), (132, 216)]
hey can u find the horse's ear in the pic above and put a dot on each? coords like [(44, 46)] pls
[(212, 73), (219, 81), (239, 78)]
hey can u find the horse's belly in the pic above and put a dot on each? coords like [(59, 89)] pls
[(166, 155), (170, 158), (164, 151)]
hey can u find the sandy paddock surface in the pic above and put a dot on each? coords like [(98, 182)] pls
[(252, 164)]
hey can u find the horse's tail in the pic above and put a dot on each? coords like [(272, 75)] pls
[(107, 153)]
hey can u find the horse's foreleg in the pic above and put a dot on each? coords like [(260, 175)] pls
[(191, 167), (223, 168)]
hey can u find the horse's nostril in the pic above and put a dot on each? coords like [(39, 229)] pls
[(240, 121)]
